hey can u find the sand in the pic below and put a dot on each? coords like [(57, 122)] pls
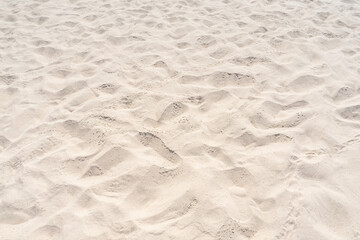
[(144, 120)]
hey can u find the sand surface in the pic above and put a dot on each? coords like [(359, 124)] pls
[(157, 120)]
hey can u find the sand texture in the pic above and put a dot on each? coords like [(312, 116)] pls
[(179, 120)]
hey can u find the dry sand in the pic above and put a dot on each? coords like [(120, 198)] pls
[(137, 120)]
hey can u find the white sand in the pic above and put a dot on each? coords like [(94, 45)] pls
[(137, 120)]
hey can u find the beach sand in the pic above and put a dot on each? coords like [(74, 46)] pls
[(157, 120)]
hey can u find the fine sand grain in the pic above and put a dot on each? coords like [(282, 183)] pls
[(185, 120)]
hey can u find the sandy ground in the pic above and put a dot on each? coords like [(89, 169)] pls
[(137, 120)]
